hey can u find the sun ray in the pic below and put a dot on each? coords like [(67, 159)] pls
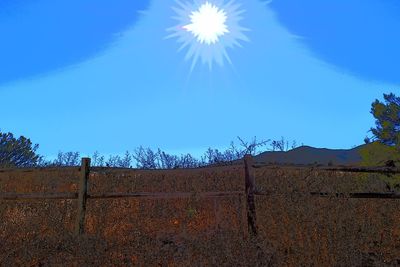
[(207, 28)]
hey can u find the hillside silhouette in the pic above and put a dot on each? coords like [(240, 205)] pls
[(306, 155)]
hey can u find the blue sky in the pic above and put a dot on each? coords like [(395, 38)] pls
[(95, 75)]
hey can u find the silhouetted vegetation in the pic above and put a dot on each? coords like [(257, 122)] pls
[(377, 154), (21, 153), (384, 147), (282, 145), (17, 152), (387, 115), (146, 158)]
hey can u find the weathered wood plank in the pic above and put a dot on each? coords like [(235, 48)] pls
[(149, 195), (55, 196), (383, 170), (37, 196), (82, 197), (250, 183), (378, 195), (242, 213), (167, 195)]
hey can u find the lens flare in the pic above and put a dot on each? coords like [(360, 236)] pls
[(207, 29)]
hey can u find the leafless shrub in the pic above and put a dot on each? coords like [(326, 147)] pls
[(146, 158), (251, 147), (120, 162), (167, 161), (97, 159), (282, 145), (67, 159)]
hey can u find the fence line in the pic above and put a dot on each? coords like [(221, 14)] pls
[(246, 211), (149, 195)]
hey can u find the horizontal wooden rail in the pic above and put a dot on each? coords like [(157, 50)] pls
[(157, 195), (146, 195), (37, 196), (166, 195), (359, 195), (382, 170), (386, 195)]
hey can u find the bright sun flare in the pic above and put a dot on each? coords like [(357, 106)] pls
[(208, 23), (207, 29)]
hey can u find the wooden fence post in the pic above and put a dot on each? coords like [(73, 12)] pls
[(250, 183), (216, 214), (83, 185), (242, 213)]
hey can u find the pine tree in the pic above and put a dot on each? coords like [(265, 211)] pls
[(17, 152), (387, 115)]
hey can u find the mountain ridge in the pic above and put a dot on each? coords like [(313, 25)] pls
[(306, 155)]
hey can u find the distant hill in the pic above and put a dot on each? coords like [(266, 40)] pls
[(305, 155)]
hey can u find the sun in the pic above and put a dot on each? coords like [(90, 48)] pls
[(208, 23), (207, 29)]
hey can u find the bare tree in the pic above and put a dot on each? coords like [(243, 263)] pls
[(294, 144), (251, 147), (67, 159), (188, 161), (167, 161), (126, 161), (97, 160), (145, 158), (112, 161), (212, 156), (282, 145)]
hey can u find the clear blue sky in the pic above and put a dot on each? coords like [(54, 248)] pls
[(100, 75)]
